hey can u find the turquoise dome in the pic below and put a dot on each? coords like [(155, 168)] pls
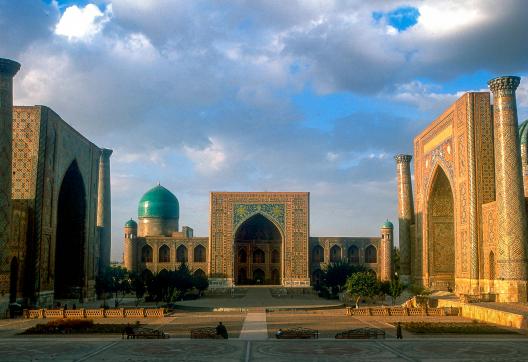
[(159, 202), (131, 224), (523, 133), (387, 225)]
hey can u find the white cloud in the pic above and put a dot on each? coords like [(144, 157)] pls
[(82, 23), (209, 159), (442, 18)]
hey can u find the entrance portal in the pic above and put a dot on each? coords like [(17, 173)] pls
[(71, 224), (441, 233), (257, 251)]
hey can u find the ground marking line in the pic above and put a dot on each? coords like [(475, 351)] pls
[(396, 352), (96, 352), (248, 350)]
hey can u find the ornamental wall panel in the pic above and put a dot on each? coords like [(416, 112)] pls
[(289, 211)]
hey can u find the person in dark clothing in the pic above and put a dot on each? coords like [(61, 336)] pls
[(399, 331), (221, 330)]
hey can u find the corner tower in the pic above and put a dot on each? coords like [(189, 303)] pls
[(130, 257), (386, 246)]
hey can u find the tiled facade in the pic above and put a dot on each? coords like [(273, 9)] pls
[(45, 154), (289, 257), (468, 230)]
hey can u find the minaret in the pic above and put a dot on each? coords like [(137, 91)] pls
[(8, 69), (130, 253), (104, 220), (511, 211), (386, 246), (405, 213)]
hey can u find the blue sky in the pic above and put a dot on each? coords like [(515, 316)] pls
[(260, 95)]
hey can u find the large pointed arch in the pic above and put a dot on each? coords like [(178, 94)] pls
[(70, 235), (259, 239), (441, 230)]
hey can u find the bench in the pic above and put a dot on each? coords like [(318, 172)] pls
[(143, 332), (205, 333), (298, 333), (361, 333)]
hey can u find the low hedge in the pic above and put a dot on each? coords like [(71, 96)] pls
[(454, 328), (70, 326)]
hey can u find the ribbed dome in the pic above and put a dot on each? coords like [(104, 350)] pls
[(523, 133), (131, 224), (159, 202), (387, 225)]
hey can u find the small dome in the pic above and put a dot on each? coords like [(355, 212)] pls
[(523, 133), (131, 224), (387, 225), (159, 202)]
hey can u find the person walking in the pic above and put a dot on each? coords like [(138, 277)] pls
[(399, 331)]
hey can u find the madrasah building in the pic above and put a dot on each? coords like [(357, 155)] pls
[(254, 238)]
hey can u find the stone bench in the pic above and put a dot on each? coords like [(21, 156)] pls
[(361, 333), (143, 332), (205, 333), (298, 333)]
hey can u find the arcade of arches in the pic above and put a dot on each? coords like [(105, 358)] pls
[(258, 238)]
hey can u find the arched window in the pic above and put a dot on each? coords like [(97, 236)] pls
[(199, 273), (199, 254), (242, 275), (146, 254), (335, 254), (353, 254), (371, 255), (318, 254), (181, 254), (164, 254), (275, 256), (259, 256), (275, 276), (259, 277), (242, 256), (317, 276)]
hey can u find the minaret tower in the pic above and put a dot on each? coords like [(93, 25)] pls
[(130, 252), (511, 206), (386, 246), (405, 213), (104, 211), (8, 69)]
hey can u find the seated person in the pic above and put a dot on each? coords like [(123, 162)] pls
[(221, 330)]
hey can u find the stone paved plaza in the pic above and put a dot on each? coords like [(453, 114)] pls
[(251, 331), (115, 349)]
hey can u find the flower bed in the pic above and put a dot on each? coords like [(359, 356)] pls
[(71, 326), (454, 328)]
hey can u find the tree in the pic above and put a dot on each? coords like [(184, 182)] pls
[(201, 283), (336, 274), (183, 280), (138, 286), (396, 259), (395, 288), (362, 284), (113, 280)]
